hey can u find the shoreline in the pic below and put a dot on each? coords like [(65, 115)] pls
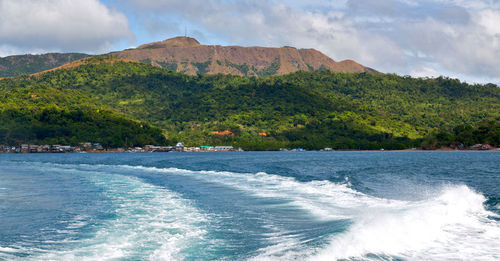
[(340, 150)]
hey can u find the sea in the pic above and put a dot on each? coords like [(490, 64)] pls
[(357, 205)]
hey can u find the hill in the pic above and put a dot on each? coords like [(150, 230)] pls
[(11, 66), (187, 55), (303, 109)]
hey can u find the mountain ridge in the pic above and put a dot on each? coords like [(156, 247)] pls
[(15, 65), (187, 55)]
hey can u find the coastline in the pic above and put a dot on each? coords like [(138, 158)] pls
[(233, 151)]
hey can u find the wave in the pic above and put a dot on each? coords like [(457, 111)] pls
[(452, 224), (147, 222)]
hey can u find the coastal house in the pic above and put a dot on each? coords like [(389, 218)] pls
[(7, 149), (166, 148), (481, 147), (179, 146), (206, 148), (86, 145), (56, 149), (66, 148), (224, 148), (152, 148), (25, 148), (138, 149), (45, 148), (192, 149), (33, 148)]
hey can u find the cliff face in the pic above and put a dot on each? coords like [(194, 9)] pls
[(187, 55)]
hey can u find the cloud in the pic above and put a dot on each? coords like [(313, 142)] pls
[(60, 25), (424, 71), (272, 23), (455, 37), (418, 37), (158, 27), (489, 20), (386, 8)]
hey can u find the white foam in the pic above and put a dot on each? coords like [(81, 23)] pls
[(324, 199), (8, 249), (451, 225), (149, 222), (9, 253)]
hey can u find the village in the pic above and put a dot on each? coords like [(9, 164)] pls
[(88, 147)]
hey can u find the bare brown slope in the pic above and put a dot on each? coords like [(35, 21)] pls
[(187, 55)]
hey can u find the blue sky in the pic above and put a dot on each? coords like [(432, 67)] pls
[(422, 38)]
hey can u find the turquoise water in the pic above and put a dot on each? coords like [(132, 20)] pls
[(251, 206)]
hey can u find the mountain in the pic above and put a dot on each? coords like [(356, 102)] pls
[(26, 64), (303, 109), (187, 55)]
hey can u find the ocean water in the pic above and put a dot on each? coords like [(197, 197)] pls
[(251, 206)]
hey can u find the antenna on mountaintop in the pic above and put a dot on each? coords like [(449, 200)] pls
[(185, 31)]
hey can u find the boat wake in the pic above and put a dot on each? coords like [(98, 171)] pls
[(451, 224), (146, 222)]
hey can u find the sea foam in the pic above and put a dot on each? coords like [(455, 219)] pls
[(452, 224), (146, 222)]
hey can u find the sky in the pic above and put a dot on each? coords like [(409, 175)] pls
[(422, 38)]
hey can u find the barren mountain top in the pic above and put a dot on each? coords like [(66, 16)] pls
[(187, 55)]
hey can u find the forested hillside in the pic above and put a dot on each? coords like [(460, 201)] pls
[(25, 64), (304, 109)]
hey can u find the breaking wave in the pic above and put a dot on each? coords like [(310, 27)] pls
[(452, 224)]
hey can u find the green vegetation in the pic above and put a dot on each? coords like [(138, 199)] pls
[(243, 68), (27, 64), (304, 109), (52, 125), (202, 67), (463, 136), (271, 70), (169, 66)]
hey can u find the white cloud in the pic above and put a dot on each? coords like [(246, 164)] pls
[(424, 38), (424, 71), (490, 20), (272, 23), (60, 25)]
